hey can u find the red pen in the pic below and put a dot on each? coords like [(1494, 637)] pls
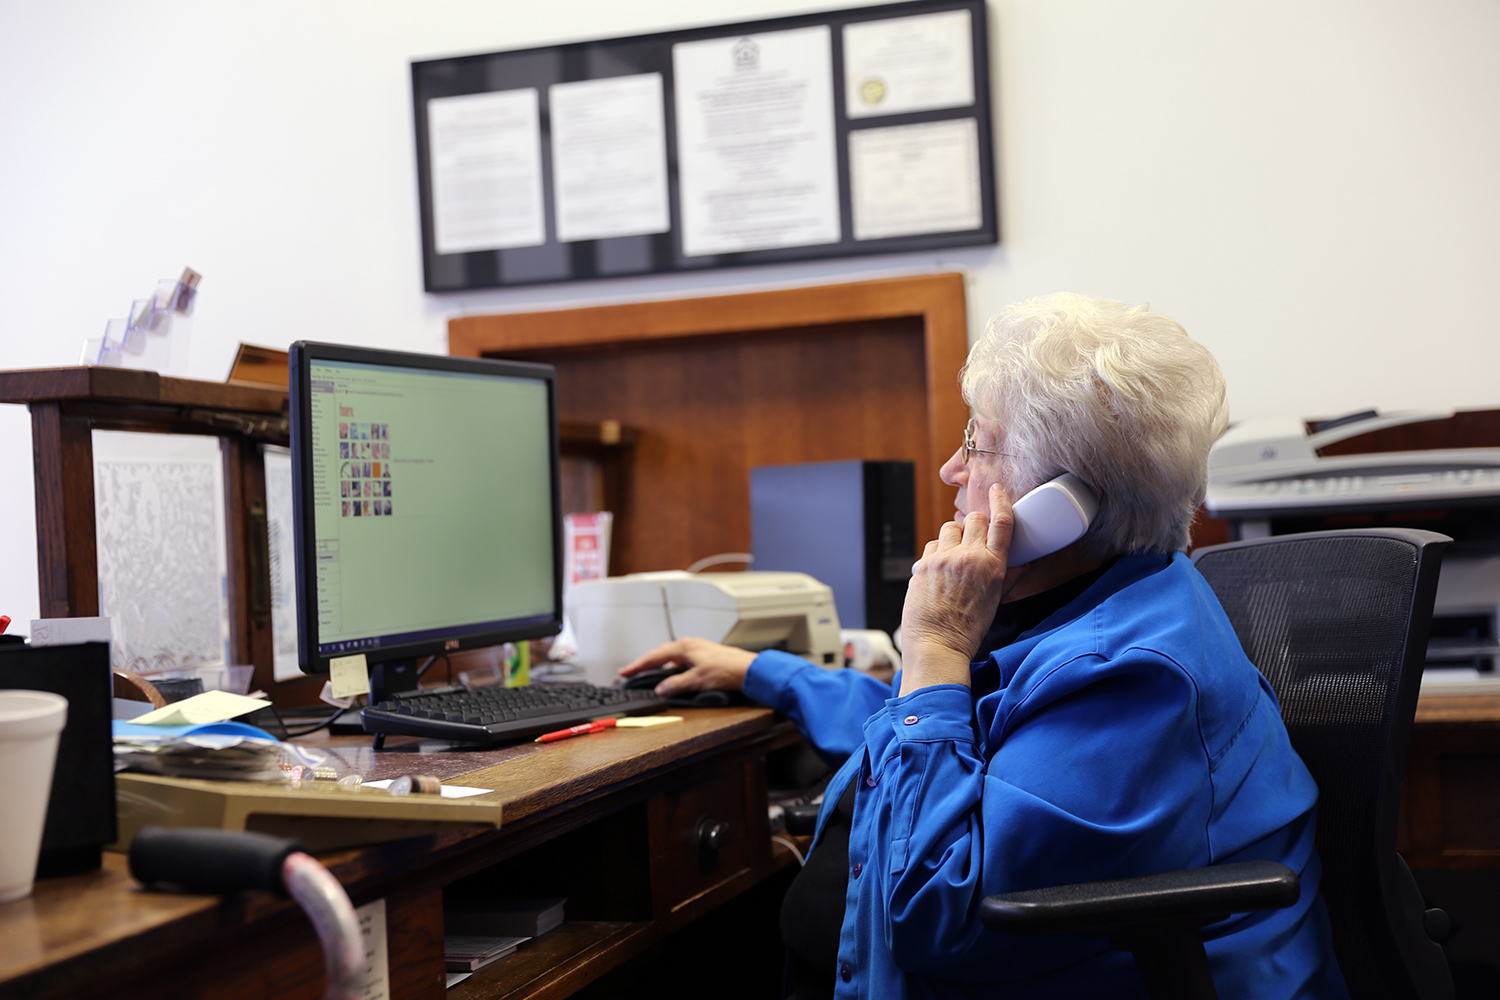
[(597, 726), (4, 623)]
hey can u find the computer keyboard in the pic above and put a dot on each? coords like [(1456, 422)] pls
[(501, 715)]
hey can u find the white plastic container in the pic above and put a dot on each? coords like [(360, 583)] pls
[(30, 722)]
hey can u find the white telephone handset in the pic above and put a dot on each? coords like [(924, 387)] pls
[(1053, 515)]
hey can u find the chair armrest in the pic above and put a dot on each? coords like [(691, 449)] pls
[(1127, 906)]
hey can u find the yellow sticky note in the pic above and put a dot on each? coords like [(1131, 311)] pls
[(210, 706), (642, 721), (350, 675)]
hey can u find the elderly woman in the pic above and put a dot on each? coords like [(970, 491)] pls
[(1113, 726)]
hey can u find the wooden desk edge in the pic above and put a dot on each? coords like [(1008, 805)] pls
[(1476, 710)]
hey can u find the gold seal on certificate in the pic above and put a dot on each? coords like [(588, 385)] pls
[(872, 91)]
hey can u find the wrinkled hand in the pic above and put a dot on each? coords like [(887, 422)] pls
[(954, 592), (708, 666)]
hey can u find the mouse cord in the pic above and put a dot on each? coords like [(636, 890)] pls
[(791, 846)]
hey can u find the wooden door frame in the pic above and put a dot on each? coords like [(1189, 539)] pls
[(937, 300)]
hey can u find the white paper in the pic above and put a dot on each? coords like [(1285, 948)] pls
[(201, 709), (486, 158), (447, 791), (911, 179), (902, 64), (278, 463), (68, 631), (375, 979), (755, 143), (609, 157)]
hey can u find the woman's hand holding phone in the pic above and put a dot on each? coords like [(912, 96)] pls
[(954, 591)]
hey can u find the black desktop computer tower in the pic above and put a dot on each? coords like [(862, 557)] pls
[(851, 525)]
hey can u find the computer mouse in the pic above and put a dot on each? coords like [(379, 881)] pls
[(647, 681)]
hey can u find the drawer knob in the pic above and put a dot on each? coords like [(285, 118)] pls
[(711, 836)]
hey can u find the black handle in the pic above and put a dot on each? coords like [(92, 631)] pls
[(210, 861)]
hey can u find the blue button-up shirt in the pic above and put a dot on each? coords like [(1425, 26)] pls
[(1127, 734)]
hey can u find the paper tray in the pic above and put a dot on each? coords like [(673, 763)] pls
[(320, 820)]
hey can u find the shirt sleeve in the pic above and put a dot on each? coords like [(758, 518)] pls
[(829, 707), (1096, 780)]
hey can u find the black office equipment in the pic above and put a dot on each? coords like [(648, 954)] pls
[(500, 715), (1337, 622), (851, 525), (81, 809), (426, 506), (833, 134)]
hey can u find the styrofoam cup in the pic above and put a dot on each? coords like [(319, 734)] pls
[(30, 722)]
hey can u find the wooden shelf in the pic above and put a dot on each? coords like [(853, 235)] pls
[(126, 386), (557, 963)]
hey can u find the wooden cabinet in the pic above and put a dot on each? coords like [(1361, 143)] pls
[(1450, 816), (68, 404)]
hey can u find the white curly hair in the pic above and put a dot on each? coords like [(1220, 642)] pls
[(1117, 395)]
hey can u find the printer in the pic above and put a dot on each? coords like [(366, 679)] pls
[(1435, 469), (616, 619), (1281, 467)]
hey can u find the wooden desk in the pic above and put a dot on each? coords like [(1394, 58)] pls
[(1451, 794), (608, 820)]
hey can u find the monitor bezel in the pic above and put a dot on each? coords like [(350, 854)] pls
[(302, 355)]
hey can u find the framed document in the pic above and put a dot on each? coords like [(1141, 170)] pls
[(858, 131)]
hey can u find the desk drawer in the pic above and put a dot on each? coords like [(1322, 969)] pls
[(706, 836)]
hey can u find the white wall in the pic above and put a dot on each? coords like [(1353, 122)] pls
[(1310, 186)]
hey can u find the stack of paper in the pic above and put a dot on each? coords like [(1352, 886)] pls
[(465, 954), (210, 756), (531, 917), (195, 738)]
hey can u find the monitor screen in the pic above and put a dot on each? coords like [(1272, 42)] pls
[(425, 503)]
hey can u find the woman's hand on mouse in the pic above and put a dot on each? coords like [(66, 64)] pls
[(706, 666)]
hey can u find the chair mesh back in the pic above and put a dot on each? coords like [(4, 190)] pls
[(1326, 618)]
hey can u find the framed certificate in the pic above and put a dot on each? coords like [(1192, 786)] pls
[(858, 131)]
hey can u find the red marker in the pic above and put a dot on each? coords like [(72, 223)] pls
[(597, 726), (4, 622)]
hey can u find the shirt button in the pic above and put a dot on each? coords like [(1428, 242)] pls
[(870, 780), (845, 973), (910, 720), (858, 868)]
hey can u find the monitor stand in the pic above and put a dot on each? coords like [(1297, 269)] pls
[(391, 677)]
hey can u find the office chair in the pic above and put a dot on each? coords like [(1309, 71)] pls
[(1337, 621)]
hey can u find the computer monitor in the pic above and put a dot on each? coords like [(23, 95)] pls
[(425, 509)]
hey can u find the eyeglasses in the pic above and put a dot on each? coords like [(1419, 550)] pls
[(969, 448)]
